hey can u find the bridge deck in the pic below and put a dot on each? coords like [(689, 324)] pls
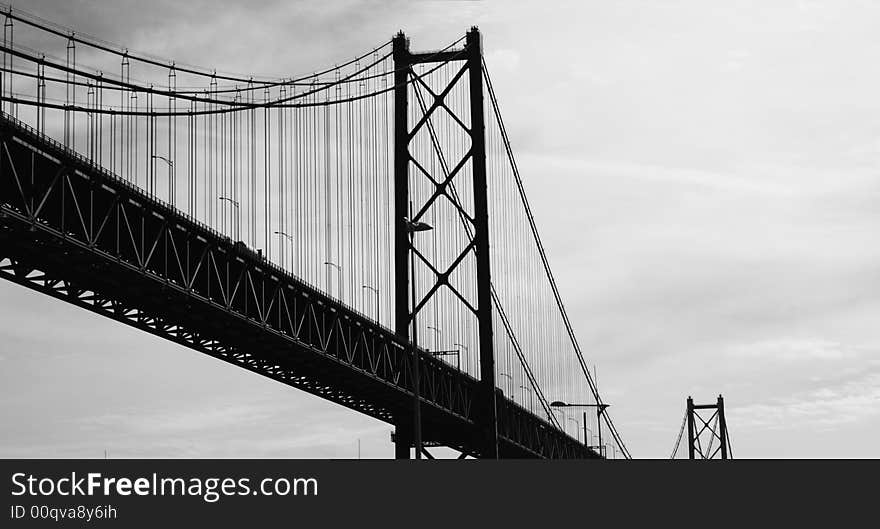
[(70, 229)]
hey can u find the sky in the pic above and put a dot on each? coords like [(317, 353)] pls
[(704, 175)]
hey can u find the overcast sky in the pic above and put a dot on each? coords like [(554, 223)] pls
[(704, 174)]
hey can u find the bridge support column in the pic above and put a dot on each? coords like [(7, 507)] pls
[(402, 441), (404, 320), (485, 411), (401, 187), (481, 240)]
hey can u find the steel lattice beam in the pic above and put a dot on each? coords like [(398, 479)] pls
[(73, 231)]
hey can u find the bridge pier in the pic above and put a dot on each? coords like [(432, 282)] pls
[(402, 439)]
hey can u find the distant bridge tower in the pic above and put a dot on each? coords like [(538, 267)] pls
[(707, 438)]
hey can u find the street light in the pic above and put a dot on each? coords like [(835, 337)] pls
[(461, 346), (414, 225), (376, 290), (591, 436), (237, 207), (509, 378), (339, 276), (170, 176), (531, 395), (289, 238), (600, 408), (411, 228), (437, 334)]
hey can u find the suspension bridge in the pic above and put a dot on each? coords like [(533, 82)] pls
[(361, 233)]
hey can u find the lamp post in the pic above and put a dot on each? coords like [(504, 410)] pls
[(338, 276), (237, 208), (290, 239), (531, 395), (509, 379), (170, 176), (376, 290), (437, 335), (461, 346), (411, 228), (600, 409)]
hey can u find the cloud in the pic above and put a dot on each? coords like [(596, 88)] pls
[(821, 408), (792, 350), (178, 422)]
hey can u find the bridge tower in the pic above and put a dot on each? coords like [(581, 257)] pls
[(408, 218), (715, 426)]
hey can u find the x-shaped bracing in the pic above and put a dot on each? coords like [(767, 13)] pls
[(441, 186)]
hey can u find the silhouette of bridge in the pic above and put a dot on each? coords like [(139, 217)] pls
[(361, 233)]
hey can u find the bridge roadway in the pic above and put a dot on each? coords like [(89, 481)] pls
[(72, 230)]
